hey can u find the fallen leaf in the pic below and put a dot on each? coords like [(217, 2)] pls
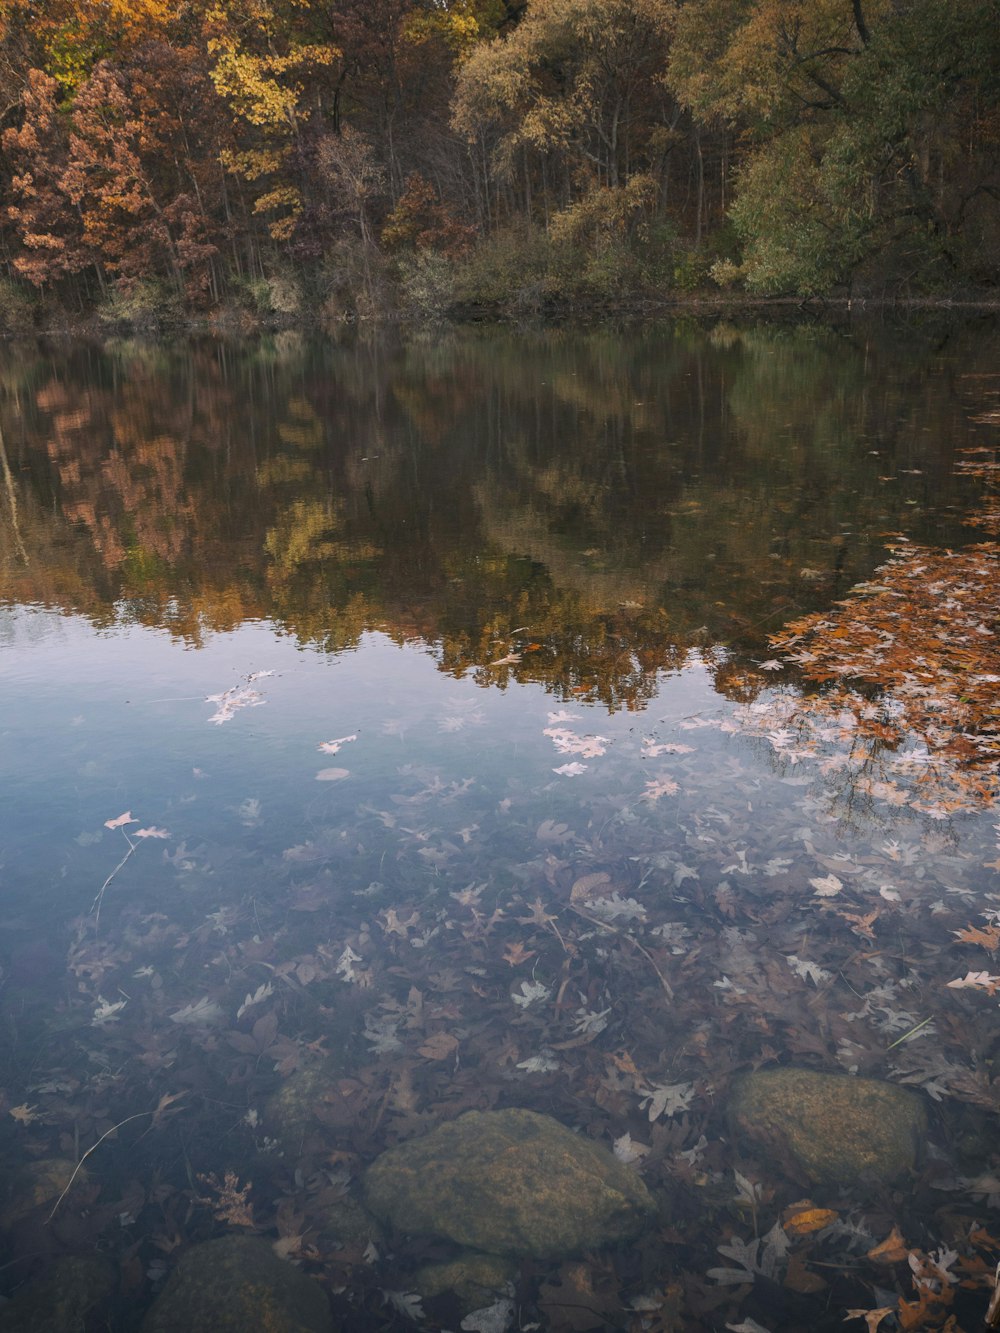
[(585, 886), (826, 887), (126, 818), (892, 1250), (811, 1219), (438, 1046)]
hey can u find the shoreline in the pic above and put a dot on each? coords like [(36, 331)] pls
[(237, 322)]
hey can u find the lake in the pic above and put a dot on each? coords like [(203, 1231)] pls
[(397, 725)]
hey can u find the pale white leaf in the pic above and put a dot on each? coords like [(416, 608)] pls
[(826, 887)]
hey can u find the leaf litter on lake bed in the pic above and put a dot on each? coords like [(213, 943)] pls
[(878, 965)]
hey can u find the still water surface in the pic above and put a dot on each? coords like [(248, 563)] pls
[(387, 708)]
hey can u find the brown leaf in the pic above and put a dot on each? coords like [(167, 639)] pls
[(516, 953), (799, 1278), (587, 886), (439, 1046), (871, 1317), (892, 1250)]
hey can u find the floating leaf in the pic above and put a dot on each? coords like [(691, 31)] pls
[(126, 818), (333, 747)]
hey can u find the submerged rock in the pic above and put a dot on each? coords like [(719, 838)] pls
[(835, 1127), (71, 1296), (290, 1115), (238, 1285), (509, 1182), (475, 1279)]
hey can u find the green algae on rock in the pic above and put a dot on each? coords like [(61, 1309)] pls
[(72, 1295), (475, 1279), (837, 1128), (509, 1182), (238, 1285)]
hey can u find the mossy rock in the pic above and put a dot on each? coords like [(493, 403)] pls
[(290, 1115), (475, 1279), (238, 1285), (70, 1296), (509, 1182), (351, 1223), (836, 1128)]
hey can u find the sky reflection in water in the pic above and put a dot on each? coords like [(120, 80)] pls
[(527, 587)]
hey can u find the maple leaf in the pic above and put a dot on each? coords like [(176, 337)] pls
[(571, 770), (657, 787), (24, 1114), (151, 832)]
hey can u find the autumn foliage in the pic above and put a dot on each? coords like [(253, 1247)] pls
[(196, 153)]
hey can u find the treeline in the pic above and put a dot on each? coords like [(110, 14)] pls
[(271, 156)]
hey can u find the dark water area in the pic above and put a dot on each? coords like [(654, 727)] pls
[(391, 729)]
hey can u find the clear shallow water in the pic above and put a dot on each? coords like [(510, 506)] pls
[(520, 586)]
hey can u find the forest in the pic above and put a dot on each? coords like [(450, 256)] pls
[(235, 162)]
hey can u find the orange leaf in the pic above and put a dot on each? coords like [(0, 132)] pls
[(892, 1250), (871, 1317), (812, 1219)]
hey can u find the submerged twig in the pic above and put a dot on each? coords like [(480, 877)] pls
[(159, 1113), (96, 904), (901, 1039), (76, 1169), (632, 940)]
